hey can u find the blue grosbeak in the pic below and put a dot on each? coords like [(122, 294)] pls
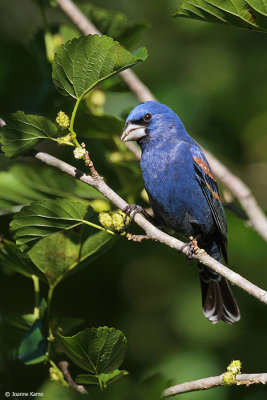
[(184, 195)]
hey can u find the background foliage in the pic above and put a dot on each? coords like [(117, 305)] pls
[(214, 77)]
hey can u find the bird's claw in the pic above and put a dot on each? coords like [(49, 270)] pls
[(191, 247), (131, 210)]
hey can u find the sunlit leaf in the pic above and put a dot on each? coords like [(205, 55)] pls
[(82, 63), (44, 218), (22, 132), (250, 14)]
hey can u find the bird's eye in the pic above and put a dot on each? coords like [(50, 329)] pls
[(147, 117)]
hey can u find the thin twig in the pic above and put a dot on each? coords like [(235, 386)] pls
[(240, 190), (151, 231), (64, 366), (213, 381), (89, 163)]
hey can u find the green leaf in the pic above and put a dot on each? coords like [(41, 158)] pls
[(44, 218), (116, 25), (34, 344), (106, 379), (12, 259), (55, 255), (259, 5), (97, 350), (82, 63), (64, 253), (22, 132), (87, 379), (22, 184), (250, 14)]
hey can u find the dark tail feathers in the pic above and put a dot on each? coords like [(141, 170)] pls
[(218, 302)]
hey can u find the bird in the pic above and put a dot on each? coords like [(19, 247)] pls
[(184, 196)]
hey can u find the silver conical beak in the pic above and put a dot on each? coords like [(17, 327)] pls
[(133, 132)]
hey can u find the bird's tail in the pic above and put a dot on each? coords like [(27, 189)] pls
[(218, 302)]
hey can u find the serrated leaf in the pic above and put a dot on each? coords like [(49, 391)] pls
[(259, 5), (44, 218), (22, 132), (34, 344), (106, 379), (82, 63), (250, 14), (12, 259), (97, 350)]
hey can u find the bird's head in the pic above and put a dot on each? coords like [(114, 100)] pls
[(150, 120)]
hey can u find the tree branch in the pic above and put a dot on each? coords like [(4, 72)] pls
[(151, 231), (209, 383), (242, 192), (257, 218), (64, 366)]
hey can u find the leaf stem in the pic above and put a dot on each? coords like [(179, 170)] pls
[(73, 134), (100, 383), (36, 286), (49, 301), (98, 227), (103, 229)]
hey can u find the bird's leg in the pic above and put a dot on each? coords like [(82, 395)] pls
[(132, 209), (191, 247)]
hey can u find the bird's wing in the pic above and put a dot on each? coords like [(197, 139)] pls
[(210, 189)]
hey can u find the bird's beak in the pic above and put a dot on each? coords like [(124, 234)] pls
[(133, 132)]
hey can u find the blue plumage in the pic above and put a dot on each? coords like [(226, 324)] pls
[(184, 195)]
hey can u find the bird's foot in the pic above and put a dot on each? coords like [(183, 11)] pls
[(191, 247), (131, 210)]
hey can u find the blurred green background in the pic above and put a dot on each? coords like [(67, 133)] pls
[(215, 78)]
